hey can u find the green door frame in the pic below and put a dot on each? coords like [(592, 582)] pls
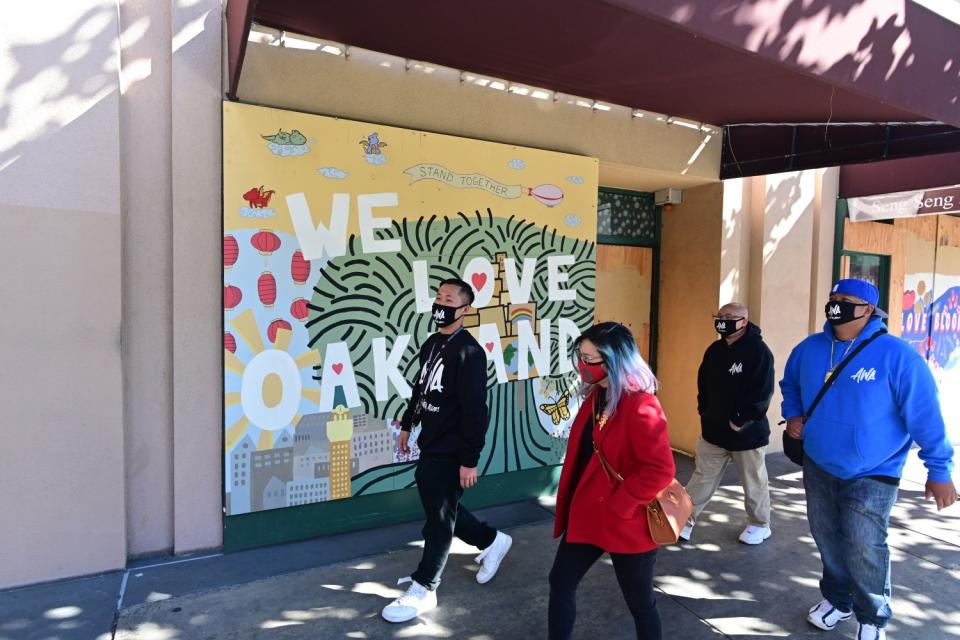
[(655, 276), (840, 215), (838, 252), (884, 276)]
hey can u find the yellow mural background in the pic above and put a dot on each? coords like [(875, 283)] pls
[(249, 163)]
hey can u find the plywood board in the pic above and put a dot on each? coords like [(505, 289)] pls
[(883, 239), (625, 288)]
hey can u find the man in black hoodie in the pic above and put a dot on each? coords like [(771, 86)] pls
[(734, 387), (449, 402)]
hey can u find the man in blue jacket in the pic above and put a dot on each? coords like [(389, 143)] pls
[(856, 444)]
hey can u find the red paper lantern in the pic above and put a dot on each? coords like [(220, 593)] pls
[(277, 324), (299, 268), (229, 342), (267, 288), (265, 241), (231, 296), (299, 309), (231, 251)]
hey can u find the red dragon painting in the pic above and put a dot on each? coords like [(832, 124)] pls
[(258, 198)]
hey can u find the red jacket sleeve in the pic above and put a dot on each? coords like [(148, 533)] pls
[(653, 467)]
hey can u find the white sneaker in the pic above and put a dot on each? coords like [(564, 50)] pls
[(870, 632), (826, 616), (686, 532), (754, 534), (491, 557), (416, 599)]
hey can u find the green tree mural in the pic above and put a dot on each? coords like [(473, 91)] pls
[(360, 297)]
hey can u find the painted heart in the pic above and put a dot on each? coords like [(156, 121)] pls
[(337, 368), (489, 347), (478, 280)]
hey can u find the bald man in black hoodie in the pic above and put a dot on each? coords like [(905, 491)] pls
[(734, 387)]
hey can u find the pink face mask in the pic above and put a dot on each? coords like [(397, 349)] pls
[(591, 373)]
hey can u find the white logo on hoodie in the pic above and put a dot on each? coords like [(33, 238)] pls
[(436, 378), (865, 375), (735, 368)]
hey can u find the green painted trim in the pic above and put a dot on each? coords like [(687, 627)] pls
[(625, 241), (655, 294), (839, 216), (655, 303), (375, 510), (628, 192)]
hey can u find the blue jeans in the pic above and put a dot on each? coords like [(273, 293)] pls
[(848, 520)]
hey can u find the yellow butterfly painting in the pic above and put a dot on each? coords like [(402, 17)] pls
[(558, 410)]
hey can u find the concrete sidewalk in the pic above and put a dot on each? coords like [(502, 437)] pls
[(334, 587)]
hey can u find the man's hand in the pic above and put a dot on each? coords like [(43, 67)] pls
[(795, 427), (735, 427), (468, 477), (402, 442), (944, 493)]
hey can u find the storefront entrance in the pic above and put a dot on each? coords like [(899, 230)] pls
[(915, 262)]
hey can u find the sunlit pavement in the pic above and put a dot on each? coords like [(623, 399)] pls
[(333, 588)]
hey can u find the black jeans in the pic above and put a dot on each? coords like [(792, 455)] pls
[(634, 573), (438, 481)]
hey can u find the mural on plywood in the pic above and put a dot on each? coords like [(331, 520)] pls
[(327, 298)]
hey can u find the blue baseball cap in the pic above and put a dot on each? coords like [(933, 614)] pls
[(861, 289)]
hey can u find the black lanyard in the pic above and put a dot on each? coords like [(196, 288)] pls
[(431, 361)]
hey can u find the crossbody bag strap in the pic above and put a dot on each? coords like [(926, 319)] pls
[(836, 372), (608, 469)]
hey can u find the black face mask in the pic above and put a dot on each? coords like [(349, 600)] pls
[(726, 328), (841, 311), (445, 316)]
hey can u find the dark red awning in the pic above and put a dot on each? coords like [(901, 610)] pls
[(911, 174), (716, 61)]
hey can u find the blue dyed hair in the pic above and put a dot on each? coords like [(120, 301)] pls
[(626, 369)]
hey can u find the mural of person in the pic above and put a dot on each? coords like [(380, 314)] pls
[(449, 403)]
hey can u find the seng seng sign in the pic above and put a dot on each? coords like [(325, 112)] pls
[(905, 204), (336, 236)]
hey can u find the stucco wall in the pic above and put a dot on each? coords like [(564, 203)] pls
[(61, 404), (146, 274), (783, 312), (778, 231), (197, 281)]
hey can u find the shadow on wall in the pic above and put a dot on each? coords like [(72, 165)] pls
[(55, 80), (58, 109), (786, 200)]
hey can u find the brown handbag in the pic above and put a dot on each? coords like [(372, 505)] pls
[(667, 514)]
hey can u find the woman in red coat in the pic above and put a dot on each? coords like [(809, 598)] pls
[(596, 512)]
